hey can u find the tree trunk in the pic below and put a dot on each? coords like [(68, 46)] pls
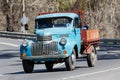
[(10, 19)]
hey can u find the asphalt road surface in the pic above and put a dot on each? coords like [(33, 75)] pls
[(107, 66)]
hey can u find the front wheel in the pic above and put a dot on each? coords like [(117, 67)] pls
[(28, 66), (92, 58), (70, 61)]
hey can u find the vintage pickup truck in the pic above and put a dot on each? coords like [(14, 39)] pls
[(59, 38)]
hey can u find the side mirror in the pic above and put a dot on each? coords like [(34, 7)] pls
[(80, 25)]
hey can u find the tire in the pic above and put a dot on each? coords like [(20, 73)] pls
[(92, 58), (49, 65), (28, 66), (71, 61)]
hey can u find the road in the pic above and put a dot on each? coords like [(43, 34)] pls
[(107, 66)]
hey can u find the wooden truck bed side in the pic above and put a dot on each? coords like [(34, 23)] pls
[(90, 35)]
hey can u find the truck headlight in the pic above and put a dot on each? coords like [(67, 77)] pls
[(25, 43), (63, 41)]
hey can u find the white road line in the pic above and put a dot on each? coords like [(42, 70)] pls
[(9, 44), (89, 74), (58, 65)]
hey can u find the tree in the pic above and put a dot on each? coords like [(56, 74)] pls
[(10, 9)]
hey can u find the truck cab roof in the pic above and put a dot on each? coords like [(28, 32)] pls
[(71, 15)]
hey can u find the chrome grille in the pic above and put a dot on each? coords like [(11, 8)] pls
[(44, 38), (41, 48)]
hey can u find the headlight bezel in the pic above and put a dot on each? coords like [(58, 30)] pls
[(25, 43), (63, 41)]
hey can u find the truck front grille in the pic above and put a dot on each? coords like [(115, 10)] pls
[(44, 38), (42, 49)]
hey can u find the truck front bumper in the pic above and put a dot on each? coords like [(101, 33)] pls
[(45, 57)]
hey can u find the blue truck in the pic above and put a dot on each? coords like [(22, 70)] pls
[(58, 39)]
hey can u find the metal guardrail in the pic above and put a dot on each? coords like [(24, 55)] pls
[(110, 42), (16, 35)]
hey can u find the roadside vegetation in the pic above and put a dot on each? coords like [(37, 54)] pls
[(101, 14)]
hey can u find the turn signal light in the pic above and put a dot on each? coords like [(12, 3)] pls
[(23, 55), (65, 52)]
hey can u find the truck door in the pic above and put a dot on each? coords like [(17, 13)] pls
[(77, 33)]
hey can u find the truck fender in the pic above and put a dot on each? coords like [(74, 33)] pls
[(69, 47), (26, 49), (88, 49)]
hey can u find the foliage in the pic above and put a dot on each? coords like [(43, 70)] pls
[(65, 4)]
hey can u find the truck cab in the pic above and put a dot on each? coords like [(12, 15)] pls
[(58, 39)]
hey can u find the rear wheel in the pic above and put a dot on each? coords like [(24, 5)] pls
[(92, 58), (28, 66), (49, 65), (70, 61)]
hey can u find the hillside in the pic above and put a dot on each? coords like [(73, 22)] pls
[(102, 14)]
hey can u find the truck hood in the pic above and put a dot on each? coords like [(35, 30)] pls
[(52, 31)]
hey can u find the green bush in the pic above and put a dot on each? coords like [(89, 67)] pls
[(65, 4)]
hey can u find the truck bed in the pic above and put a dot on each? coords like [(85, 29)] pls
[(89, 36)]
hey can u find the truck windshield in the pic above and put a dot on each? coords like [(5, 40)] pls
[(53, 22)]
